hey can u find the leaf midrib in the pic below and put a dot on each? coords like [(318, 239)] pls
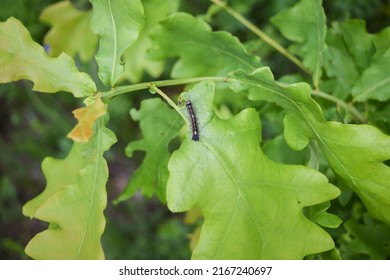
[(94, 184), (239, 196), (114, 61)]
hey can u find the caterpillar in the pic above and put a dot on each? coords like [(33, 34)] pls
[(194, 122)]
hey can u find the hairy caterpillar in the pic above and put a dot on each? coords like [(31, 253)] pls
[(194, 122)]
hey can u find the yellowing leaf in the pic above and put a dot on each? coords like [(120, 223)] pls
[(86, 117), (73, 201), (136, 59), (71, 31), (22, 58)]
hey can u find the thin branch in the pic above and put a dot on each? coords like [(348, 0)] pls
[(348, 107), (262, 35), (130, 88), (163, 95)]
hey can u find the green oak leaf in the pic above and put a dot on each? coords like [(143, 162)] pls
[(351, 59), (318, 214), (382, 41), (22, 58), (73, 201), (339, 64), (375, 80), (135, 57), (192, 40), (305, 24), (358, 41), (370, 238), (354, 152), (159, 126), (252, 206), (278, 150), (118, 24), (70, 32)]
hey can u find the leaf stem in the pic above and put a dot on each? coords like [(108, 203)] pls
[(348, 107), (130, 88), (163, 95), (262, 35)]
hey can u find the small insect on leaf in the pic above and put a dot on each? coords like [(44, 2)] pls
[(194, 123)]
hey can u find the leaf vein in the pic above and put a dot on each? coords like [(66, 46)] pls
[(114, 42)]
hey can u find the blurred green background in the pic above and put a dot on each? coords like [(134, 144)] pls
[(34, 125)]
